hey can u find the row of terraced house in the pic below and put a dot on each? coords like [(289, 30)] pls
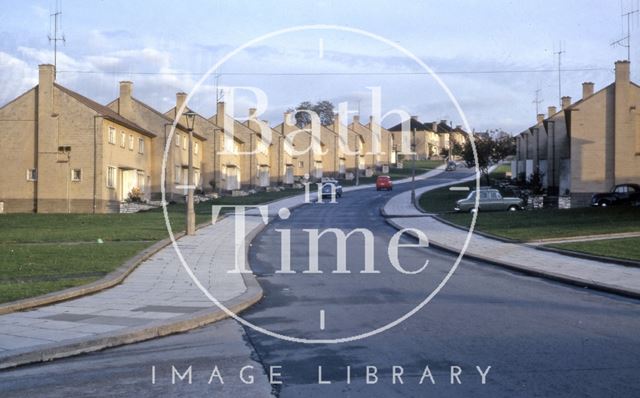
[(589, 145), (63, 152)]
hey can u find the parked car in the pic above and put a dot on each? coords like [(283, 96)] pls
[(328, 186), (619, 194), (451, 166), (384, 182), (490, 200)]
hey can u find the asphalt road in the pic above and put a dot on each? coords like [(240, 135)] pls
[(541, 338)]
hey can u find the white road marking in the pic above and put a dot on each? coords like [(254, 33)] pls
[(459, 189), (321, 319)]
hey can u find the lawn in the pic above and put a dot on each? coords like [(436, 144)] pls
[(553, 223), (534, 224), (42, 253), (625, 248)]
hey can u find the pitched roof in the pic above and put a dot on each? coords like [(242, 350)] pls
[(414, 124), (167, 118), (104, 111)]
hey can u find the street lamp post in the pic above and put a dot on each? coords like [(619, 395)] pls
[(358, 166), (413, 168), (191, 215)]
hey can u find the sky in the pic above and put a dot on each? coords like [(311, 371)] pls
[(491, 55)]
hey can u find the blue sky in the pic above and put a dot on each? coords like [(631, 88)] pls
[(162, 46)]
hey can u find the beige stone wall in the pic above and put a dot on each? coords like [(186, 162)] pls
[(178, 151), (123, 157), (18, 135), (592, 143)]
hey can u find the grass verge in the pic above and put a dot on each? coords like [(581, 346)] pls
[(624, 248), (42, 253)]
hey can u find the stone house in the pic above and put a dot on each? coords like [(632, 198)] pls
[(589, 146), (64, 153), (176, 145)]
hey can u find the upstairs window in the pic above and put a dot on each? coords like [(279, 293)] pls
[(131, 142), (196, 148), (177, 139), (184, 142), (112, 135), (141, 145), (123, 139)]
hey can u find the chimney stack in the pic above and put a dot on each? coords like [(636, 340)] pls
[(220, 113), (46, 78), (125, 100), (252, 113), (566, 102), (180, 99), (622, 72), (551, 111), (356, 119), (414, 117), (587, 90), (540, 117)]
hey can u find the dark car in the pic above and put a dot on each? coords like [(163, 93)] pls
[(619, 194), (384, 182), (328, 186), (451, 166)]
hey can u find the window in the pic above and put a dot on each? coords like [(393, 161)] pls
[(112, 135), (196, 178), (140, 145), (111, 177), (196, 148), (301, 164), (177, 139), (131, 142), (621, 189), (123, 139), (32, 175), (177, 174), (140, 183), (76, 175), (184, 142)]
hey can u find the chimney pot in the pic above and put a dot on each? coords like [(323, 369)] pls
[(551, 111), (622, 72), (566, 102), (180, 99), (126, 89), (540, 117), (252, 112), (414, 117), (356, 119), (587, 90)]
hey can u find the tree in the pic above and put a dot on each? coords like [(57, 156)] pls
[(324, 109), (490, 150), (456, 149), (504, 147), (484, 150)]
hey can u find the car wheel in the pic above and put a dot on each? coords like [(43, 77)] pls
[(603, 203), (513, 208), (472, 210)]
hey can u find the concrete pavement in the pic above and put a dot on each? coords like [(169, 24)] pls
[(156, 299)]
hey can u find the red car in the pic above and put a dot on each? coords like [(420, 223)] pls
[(383, 182)]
